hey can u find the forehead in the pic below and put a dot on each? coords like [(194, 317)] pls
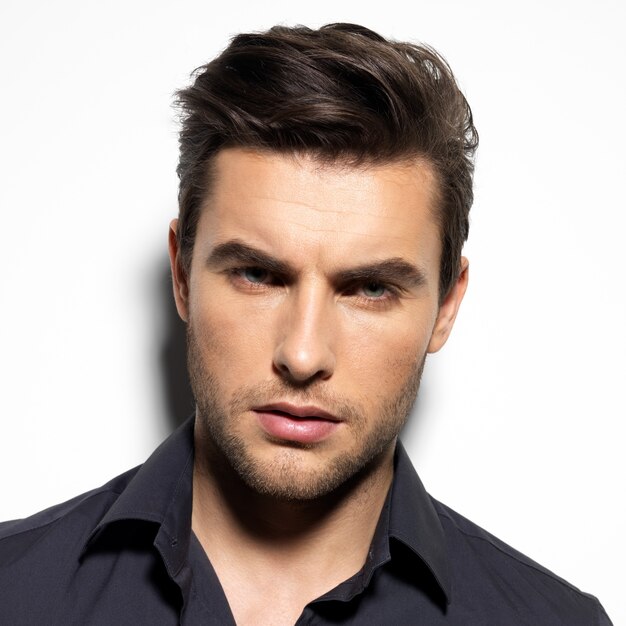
[(321, 212)]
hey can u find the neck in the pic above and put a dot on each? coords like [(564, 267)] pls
[(332, 533)]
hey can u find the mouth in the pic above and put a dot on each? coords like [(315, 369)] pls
[(294, 411), (302, 424)]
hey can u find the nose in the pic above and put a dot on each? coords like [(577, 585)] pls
[(304, 349)]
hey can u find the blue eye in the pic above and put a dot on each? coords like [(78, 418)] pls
[(255, 274), (374, 290)]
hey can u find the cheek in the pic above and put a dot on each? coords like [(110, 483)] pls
[(230, 334), (383, 358)]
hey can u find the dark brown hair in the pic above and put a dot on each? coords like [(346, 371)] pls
[(340, 93)]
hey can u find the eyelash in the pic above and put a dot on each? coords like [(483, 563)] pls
[(391, 294), (236, 273)]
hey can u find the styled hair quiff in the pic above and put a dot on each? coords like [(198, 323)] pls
[(339, 93)]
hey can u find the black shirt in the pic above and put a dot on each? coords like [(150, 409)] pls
[(125, 554)]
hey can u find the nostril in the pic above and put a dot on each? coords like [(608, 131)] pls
[(301, 374)]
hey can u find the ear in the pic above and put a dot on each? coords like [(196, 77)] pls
[(179, 277), (449, 308)]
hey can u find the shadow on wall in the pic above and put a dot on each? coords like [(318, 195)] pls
[(410, 431), (174, 382), (418, 431)]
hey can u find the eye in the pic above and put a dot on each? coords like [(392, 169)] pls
[(256, 275), (374, 290)]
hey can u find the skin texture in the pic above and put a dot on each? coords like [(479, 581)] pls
[(315, 285)]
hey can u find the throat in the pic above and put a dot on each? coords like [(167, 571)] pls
[(285, 552), (227, 504)]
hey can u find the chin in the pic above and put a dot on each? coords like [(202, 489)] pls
[(298, 474)]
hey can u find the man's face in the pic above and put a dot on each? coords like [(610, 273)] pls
[(311, 302)]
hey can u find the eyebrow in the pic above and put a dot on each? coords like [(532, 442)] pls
[(239, 252), (394, 270)]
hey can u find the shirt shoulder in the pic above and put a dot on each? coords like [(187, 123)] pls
[(95, 559), (39, 552), (481, 561), (83, 511)]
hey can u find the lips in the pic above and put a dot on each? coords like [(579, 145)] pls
[(296, 423)]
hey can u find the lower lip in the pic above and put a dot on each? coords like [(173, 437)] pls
[(300, 430)]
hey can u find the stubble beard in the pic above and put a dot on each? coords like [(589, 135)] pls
[(284, 478)]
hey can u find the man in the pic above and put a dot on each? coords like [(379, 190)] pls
[(326, 181)]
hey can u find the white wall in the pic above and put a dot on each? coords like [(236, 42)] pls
[(520, 425)]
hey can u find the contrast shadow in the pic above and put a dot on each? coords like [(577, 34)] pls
[(176, 391), (411, 429)]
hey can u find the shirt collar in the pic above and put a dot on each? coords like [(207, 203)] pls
[(414, 522), (160, 492)]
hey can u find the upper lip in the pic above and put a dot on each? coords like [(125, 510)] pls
[(302, 411)]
